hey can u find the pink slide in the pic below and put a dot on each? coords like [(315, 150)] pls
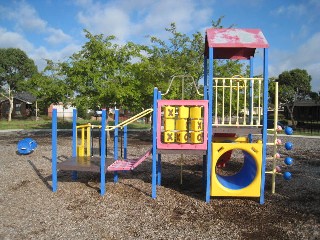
[(227, 155)]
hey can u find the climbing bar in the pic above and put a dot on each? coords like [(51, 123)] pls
[(182, 77), (130, 120)]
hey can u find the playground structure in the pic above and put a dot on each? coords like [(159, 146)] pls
[(227, 119)]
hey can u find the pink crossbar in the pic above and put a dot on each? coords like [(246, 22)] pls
[(128, 165)]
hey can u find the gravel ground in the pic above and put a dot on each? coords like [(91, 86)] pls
[(30, 210)]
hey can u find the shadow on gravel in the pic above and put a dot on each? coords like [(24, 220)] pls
[(42, 178)]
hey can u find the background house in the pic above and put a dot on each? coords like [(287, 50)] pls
[(307, 110), (22, 106), (63, 111)]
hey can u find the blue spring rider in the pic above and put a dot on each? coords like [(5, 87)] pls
[(26, 146)]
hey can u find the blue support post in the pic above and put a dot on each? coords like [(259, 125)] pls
[(264, 129), (74, 140), (54, 151), (125, 142), (210, 107), (205, 74), (103, 154), (154, 144), (159, 165), (115, 143), (205, 97)]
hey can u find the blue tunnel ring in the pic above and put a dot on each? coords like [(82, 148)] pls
[(244, 177)]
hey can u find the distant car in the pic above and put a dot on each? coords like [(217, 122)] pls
[(98, 113), (270, 123)]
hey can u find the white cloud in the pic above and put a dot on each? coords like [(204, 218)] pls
[(305, 57), (40, 54), (15, 40), (10, 39), (57, 36), (25, 17), (108, 20), (26, 20), (128, 20), (291, 10)]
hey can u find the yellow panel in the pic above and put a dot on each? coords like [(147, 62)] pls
[(195, 112), (181, 124), (168, 137), (80, 150), (169, 112), (183, 112), (253, 189), (196, 137), (196, 125), (182, 137), (169, 124), (230, 139)]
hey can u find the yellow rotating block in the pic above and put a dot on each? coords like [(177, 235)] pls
[(168, 137), (196, 125), (181, 124), (183, 112), (169, 124), (196, 137), (182, 137), (246, 182), (195, 112), (169, 112)]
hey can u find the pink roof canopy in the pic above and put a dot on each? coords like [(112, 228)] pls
[(233, 43)]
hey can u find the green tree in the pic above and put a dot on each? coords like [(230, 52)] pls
[(180, 55), (104, 73), (294, 85), (15, 68), (49, 86), (101, 74)]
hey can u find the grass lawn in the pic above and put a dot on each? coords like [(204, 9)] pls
[(46, 124)]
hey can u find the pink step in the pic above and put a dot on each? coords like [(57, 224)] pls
[(128, 165), (122, 165)]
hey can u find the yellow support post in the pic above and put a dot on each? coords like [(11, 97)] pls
[(275, 148), (89, 140), (230, 103)]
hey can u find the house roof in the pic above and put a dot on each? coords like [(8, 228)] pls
[(25, 97), (234, 43), (22, 96), (306, 103)]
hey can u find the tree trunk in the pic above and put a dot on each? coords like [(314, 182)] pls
[(10, 98), (291, 115), (10, 108)]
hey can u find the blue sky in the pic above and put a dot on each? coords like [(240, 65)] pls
[(53, 29)]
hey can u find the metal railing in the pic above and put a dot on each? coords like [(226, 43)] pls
[(237, 101)]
